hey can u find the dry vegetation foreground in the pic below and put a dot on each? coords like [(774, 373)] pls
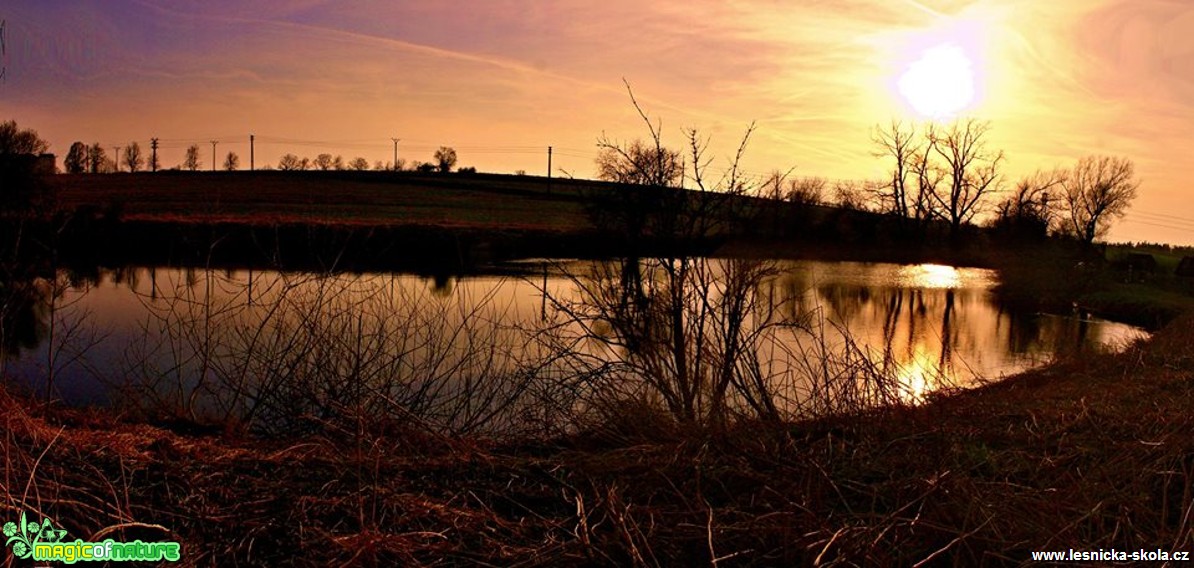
[(1085, 454)]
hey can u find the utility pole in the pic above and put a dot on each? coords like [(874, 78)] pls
[(153, 162), (117, 149), (395, 152), (549, 170), (213, 154), (252, 140)]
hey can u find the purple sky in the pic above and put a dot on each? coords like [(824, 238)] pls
[(502, 80)]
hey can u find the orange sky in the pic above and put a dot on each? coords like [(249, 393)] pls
[(501, 80)]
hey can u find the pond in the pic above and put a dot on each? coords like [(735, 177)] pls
[(220, 343)]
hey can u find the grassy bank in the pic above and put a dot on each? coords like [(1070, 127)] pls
[(1092, 453), (1060, 277)]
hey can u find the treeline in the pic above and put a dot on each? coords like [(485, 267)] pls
[(84, 158), (938, 174)]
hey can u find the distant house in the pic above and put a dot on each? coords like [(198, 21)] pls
[(1137, 267), (46, 164), (1185, 268), (1136, 262)]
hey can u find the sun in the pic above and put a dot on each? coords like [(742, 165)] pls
[(940, 83)]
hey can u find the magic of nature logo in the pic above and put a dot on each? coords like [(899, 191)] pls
[(42, 542)]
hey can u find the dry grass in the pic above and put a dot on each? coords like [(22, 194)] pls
[(1088, 454)]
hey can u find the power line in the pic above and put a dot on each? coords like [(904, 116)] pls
[(1162, 215), (1187, 229)]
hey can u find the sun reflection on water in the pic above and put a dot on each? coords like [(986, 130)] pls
[(934, 276)]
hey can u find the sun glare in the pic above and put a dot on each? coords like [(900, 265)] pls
[(940, 83)]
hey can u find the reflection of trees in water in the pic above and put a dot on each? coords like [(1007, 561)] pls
[(36, 311), (906, 325), (326, 348), (1035, 335), (23, 308)]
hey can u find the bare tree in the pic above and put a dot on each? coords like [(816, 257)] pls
[(850, 194), (808, 190), (290, 163), (338, 163), (76, 159), (1031, 208), (445, 159), (773, 186), (231, 162), (929, 177), (1098, 189), (898, 142), (970, 169), (639, 163), (687, 329), (96, 157), (192, 161), (358, 164), (323, 162), (133, 158)]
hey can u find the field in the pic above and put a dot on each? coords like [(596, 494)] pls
[(477, 201)]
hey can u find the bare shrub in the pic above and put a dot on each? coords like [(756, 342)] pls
[(297, 351)]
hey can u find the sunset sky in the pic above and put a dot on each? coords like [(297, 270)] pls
[(502, 80)]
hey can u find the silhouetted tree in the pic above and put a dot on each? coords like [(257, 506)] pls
[(773, 187), (639, 163), (96, 158), (323, 162), (290, 163), (338, 163), (192, 161), (378, 166), (21, 185), (850, 194), (1098, 189), (133, 158), (358, 164), (970, 170), (445, 159), (806, 190), (898, 142), (425, 167), (17, 141), (76, 159), (1030, 210), (231, 162)]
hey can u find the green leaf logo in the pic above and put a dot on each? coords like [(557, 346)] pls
[(23, 535)]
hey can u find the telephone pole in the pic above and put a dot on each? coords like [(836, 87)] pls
[(213, 154), (549, 170), (395, 152), (252, 140), (153, 161)]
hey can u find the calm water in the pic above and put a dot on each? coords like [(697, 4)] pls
[(208, 332)]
